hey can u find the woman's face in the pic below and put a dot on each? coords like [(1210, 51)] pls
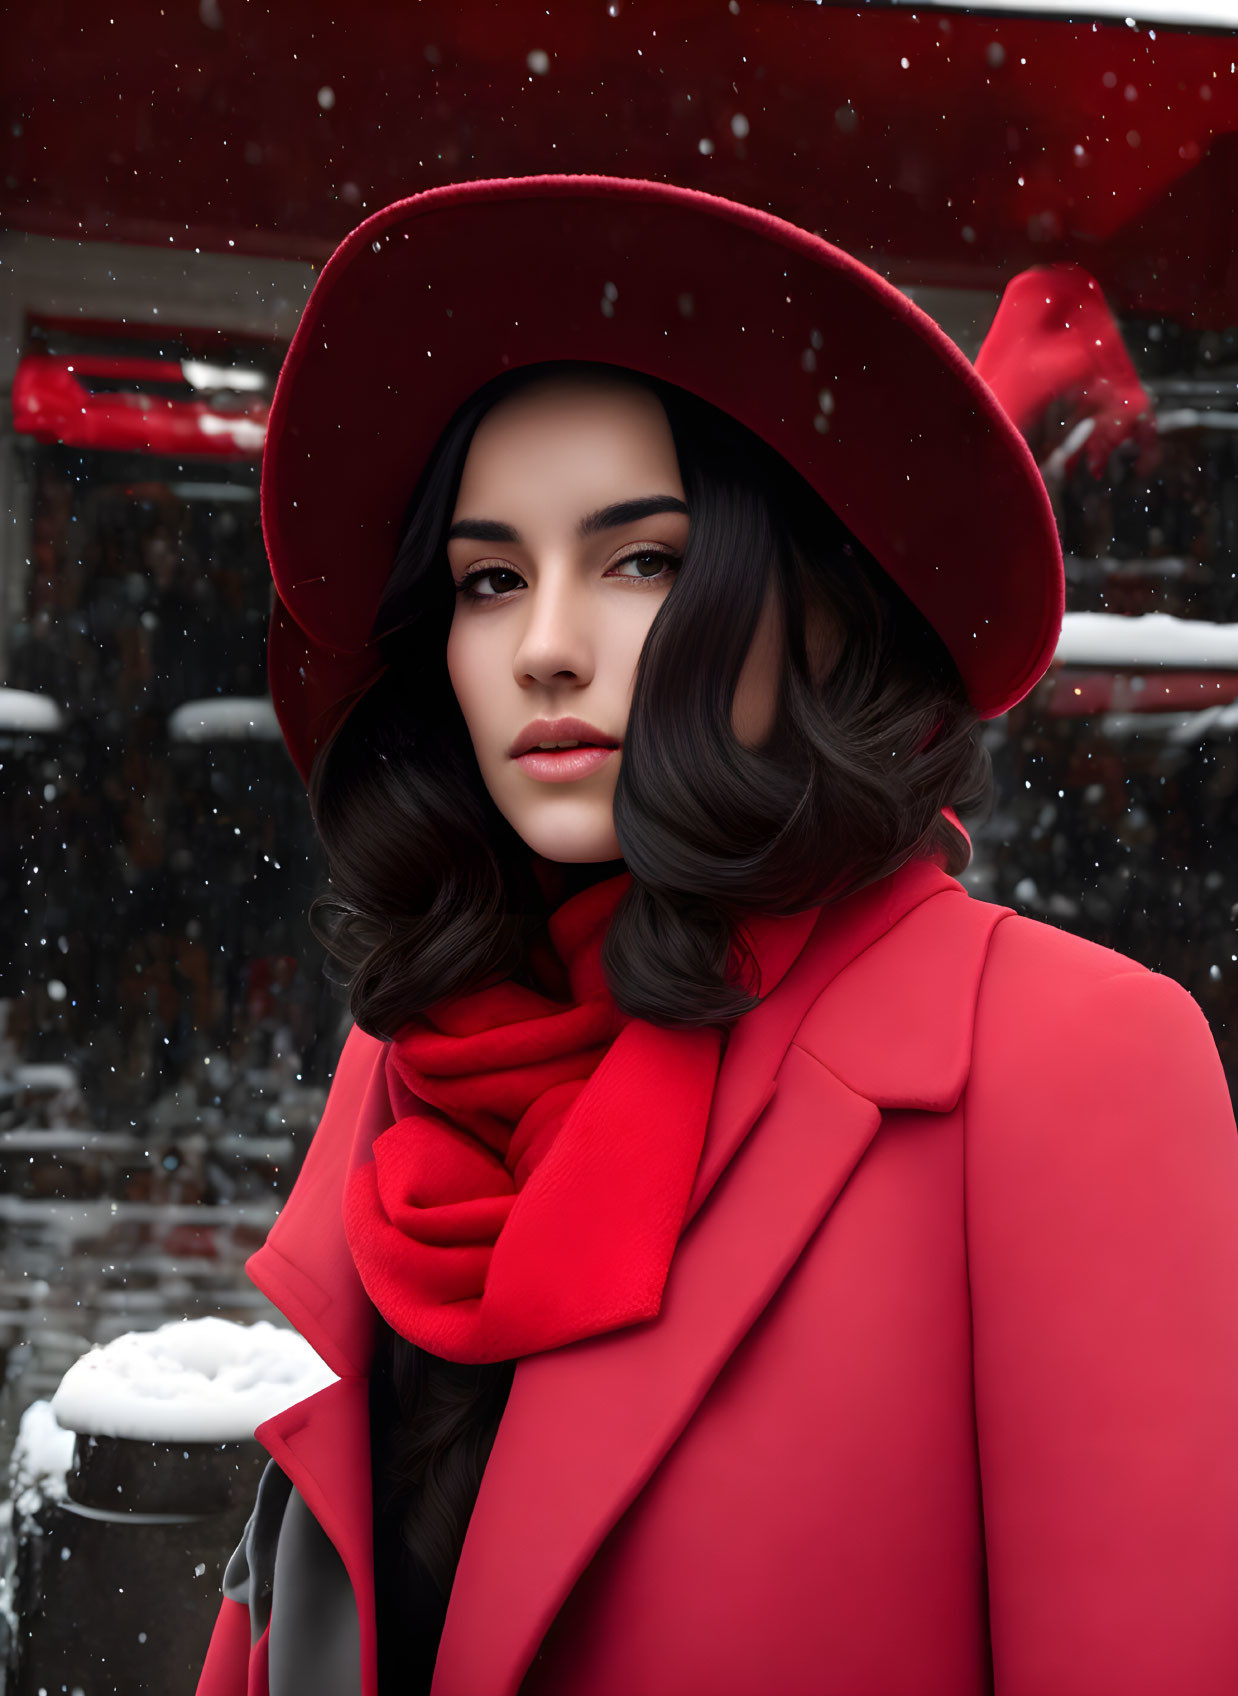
[(563, 544)]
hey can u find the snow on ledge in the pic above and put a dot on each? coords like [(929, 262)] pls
[(1153, 638), (191, 1381), (23, 709), (227, 718), (1177, 14)]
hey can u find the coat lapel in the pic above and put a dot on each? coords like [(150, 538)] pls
[(759, 1042), (586, 1425)]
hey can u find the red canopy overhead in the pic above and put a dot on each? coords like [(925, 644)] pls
[(943, 147)]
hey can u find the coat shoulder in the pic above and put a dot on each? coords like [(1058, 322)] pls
[(1029, 952), (959, 987), (1060, 1018), (1044, 989)]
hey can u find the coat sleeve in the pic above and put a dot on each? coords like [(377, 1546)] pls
[(1101, 1194), (237, 1660), (231, 1667)]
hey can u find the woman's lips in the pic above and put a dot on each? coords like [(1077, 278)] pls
[(562, 765)]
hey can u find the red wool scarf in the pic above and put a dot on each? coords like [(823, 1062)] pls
[(533, 1189)]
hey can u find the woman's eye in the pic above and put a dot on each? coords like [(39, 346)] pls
[(465, 585), (661, 561)]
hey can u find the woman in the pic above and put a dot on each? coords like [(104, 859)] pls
[(751, 1264)]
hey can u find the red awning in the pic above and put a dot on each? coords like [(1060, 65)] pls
[(942, 146)]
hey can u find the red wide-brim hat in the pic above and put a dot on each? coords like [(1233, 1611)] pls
[(818, 355)]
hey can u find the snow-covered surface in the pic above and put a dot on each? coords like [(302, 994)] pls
[(225, 719), (67, 1139), (97, 1214), (204, 375), (1186, 14), (1192, 418), (1155, 638), (47, 1075), (42, 1455), (193, 1381), (1213, 721), (22, 709)]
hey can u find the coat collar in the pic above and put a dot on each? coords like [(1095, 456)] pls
[(585, 1425)]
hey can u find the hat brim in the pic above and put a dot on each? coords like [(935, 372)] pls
[(827, 362)]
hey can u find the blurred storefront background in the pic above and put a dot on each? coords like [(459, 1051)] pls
[(173, 176)]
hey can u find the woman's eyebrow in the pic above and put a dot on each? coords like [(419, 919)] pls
[(605, 518)]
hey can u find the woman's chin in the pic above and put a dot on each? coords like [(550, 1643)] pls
[(568, 840)]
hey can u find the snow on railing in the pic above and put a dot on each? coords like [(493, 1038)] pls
[(42, 1455)]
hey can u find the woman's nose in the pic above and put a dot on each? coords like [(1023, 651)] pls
[(556, 634)]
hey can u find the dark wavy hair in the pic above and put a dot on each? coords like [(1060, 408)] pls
[(432, 892)]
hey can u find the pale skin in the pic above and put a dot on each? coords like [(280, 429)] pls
[(554, 622)]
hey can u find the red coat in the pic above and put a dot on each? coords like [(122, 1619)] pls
[(943, 1393)]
